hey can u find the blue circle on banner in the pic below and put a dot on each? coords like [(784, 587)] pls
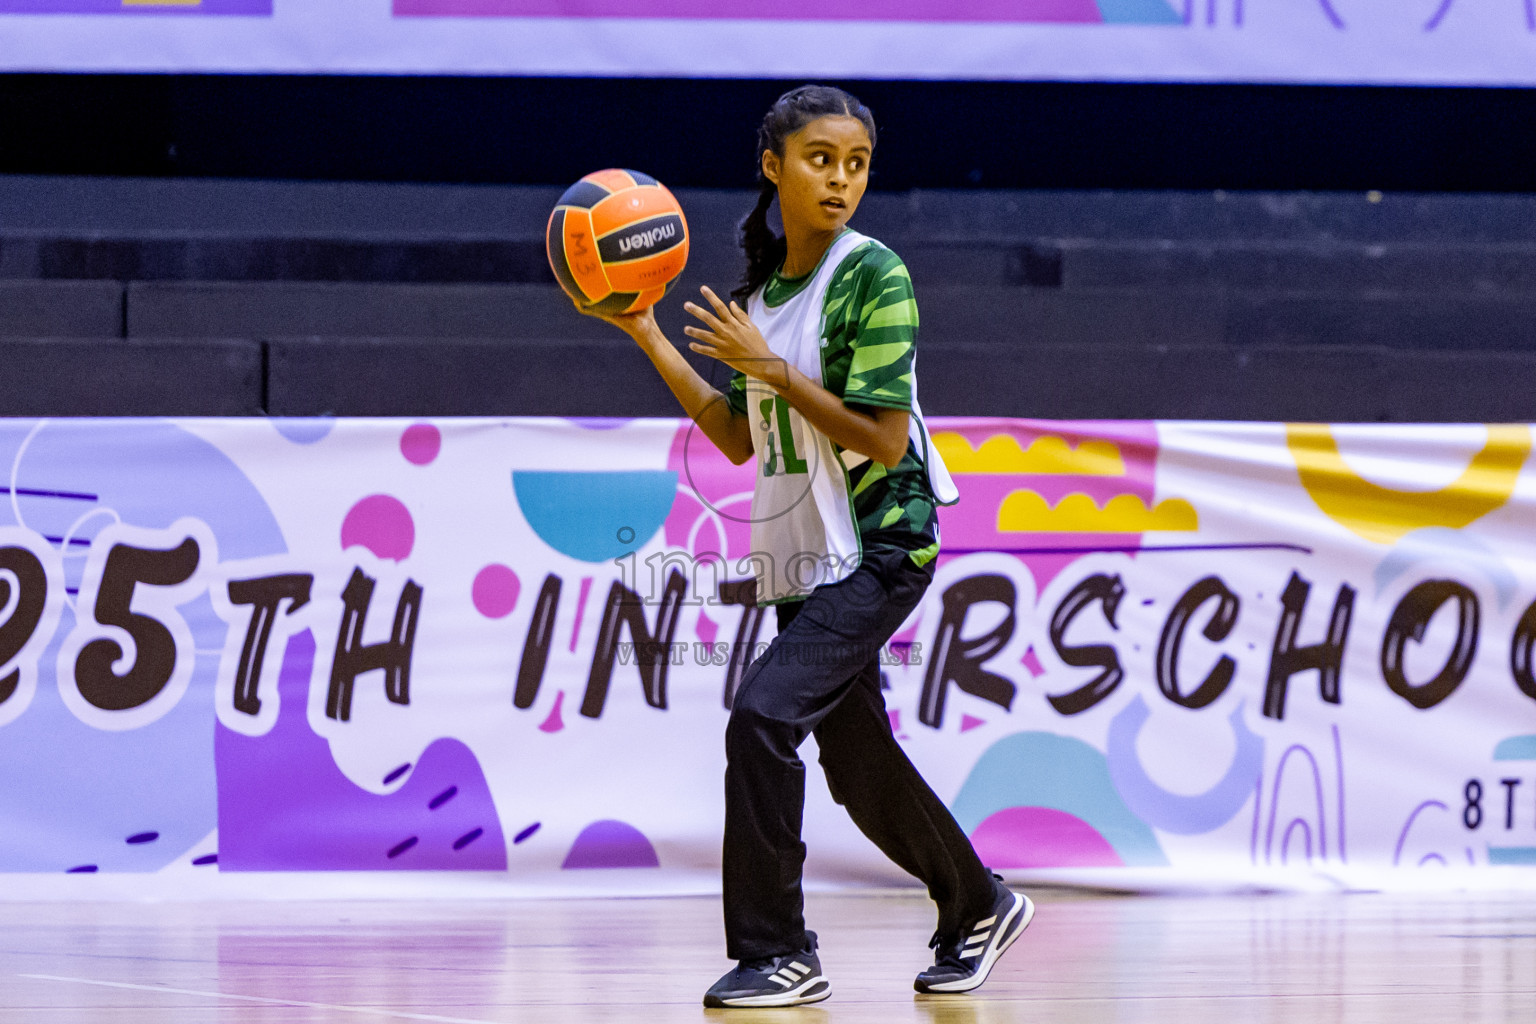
[(585, 514)]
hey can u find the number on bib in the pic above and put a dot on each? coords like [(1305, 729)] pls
[(780, 439)]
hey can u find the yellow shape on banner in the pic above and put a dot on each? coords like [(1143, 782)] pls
[(1384, 514), (1028, 512), (1047, 455)]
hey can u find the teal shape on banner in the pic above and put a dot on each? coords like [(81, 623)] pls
[(1139, 12), (1516, 748), (1059, 773), (595, 516)]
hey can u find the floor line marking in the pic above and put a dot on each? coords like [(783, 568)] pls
[(399, 1014)]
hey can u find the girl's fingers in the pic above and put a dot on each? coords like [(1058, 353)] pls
[(714, 300), (714, 323)]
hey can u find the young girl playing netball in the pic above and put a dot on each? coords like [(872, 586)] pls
[(824, 398)]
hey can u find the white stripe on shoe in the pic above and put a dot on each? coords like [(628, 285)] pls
[(1013, 924), (814, 989)]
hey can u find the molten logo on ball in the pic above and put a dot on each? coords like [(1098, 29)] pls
[(646, 239)]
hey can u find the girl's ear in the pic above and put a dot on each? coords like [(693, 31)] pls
[(771, 166)]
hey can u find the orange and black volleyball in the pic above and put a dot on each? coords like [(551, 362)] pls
[(617, 241)]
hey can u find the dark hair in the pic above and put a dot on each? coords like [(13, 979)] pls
[(789, 113)]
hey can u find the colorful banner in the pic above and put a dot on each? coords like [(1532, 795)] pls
[(1153, 653), (1412, 42)]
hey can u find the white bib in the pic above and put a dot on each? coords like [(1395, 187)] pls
[(804, 533)]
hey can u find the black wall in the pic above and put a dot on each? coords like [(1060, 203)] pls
[(700, 132)]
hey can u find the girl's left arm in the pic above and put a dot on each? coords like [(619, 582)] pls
[(730, 336)]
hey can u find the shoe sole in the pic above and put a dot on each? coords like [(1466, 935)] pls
[(1013, 926), (812, 991)]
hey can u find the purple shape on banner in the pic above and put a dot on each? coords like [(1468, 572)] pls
[(1041, 837), (969, 722), (1184, 814), (260, 8), (1057, 11), (554, 723), (285, 806), (611, 844), (581, 609), (494, 591), (527, 833), (73, 794), (1031, 661), (420, 443), (306, 430), (382, 524)]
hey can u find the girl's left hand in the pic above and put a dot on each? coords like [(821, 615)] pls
[(730, 336)]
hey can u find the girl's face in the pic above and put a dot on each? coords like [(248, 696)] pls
[(822, 175)]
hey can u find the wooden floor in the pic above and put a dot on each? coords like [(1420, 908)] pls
[(1317, 959)]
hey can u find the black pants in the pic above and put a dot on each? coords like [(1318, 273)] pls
[(822, 676)]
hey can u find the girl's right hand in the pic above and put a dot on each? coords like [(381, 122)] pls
[(641, 325)]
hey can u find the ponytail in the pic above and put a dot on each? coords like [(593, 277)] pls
[(790, 112), (765, 250)]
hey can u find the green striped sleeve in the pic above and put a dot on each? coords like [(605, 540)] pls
[(881, 370)]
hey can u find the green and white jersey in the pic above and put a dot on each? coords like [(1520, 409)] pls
[(850, 324)]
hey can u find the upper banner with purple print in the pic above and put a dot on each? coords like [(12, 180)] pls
[(261, 8), (1367, 42), (1135, 12)]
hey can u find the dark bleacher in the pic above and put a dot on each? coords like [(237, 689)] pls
[(61, 309), (148, 296), (142, 377), (265, 309)]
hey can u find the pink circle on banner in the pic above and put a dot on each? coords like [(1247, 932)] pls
[(495, 591), (420, 443), (381, 524)]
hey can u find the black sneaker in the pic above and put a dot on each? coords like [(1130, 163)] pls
[(787, 980), (965, 963)]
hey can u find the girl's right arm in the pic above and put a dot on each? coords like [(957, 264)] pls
[(707, 407)]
